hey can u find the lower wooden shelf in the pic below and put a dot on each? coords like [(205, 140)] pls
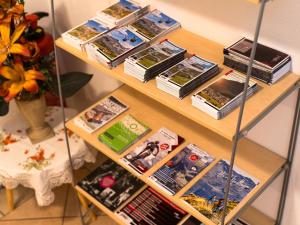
[(256, 160)]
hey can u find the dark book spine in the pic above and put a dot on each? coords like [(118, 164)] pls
[(257, 73)]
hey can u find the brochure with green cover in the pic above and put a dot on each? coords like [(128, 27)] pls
[(123, 134)]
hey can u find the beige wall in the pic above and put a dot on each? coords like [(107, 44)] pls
[(223, 21)]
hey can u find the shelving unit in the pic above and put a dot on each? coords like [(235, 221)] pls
[(217, 137)]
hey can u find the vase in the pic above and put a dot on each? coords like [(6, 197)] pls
[(34, 112)]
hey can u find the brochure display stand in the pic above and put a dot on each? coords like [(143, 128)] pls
[(217, 137)]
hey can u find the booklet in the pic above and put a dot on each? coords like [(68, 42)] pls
[(111, 184), (123, 134), (157, 147), (100, 114), (207, 195), (181, 169)]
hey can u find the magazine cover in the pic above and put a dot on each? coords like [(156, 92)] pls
[(123, 134), (207, 195), (120, 10), (186, 71), (117, 42), (153, 150), (192, 221), (151, 208), (101, 114), (182, 168), (88, 30), (224, 90), (153, 24), (111, 184), (156, 54)]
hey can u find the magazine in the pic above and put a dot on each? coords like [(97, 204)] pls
[(111, 184), (100, 114), (154, 24), (151, 208), (181, 169), (186, 71), (121, 9), (123, 134), (207, 195), (157, 147)]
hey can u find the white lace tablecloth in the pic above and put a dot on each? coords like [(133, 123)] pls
[(42, 166)]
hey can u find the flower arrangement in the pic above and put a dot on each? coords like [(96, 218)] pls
[(27, 68)]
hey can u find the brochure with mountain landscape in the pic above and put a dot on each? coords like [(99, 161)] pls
[(153, 150), (154, 24), (207, 195), (187, 70), (121, 9), (100, 114), (182, 168), (111, 184), (123, 134), (224, 90), (156, 54), (117, 42)]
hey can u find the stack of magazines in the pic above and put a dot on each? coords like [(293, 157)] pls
[(223, 95), (123, 12), (185, 76), (115, 46), (79, 36), (154, 25), (150, 62), (269, 65)]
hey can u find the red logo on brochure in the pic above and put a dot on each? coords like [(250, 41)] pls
[(164, 146), (194, 157)]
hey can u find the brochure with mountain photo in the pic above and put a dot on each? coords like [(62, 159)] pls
[(207, 195), (100, 114), (181, 169), (111, 184), (123, 134), (153, 150)]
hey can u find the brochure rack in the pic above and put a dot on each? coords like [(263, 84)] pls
[(224, 139)]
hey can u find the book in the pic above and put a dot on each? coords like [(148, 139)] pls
[(82, 34), (181, 169), (148, 63), (151, 151), (123, 134), (154, 25), (269, 64), (150, 208), (207, 195), (123, 12), (100, 114), (113, 47), (110, 184), (192, 221), (185, 76), (223, 95)]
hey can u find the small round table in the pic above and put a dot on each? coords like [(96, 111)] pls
[(42, 166)]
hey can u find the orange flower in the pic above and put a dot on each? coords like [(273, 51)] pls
[(7, 42), (19, 79), (8, 10)]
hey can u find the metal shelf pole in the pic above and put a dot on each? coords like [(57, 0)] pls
[(62, 103), (244, 97)]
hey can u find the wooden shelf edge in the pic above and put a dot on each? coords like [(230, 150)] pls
[(256, 217)]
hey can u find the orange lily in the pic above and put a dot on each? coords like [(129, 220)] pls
[(7, 43), (7, 11), (19, 79)]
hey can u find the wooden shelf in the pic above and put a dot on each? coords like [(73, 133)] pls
[(255, 106), (253, 158), (255, 217)]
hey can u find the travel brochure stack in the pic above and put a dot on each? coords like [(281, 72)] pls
[(150, 62), (269, 65), (122, 192), (223, 95), (186, 76)]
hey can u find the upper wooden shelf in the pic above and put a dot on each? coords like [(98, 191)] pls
[(252, 158), (255, 106)]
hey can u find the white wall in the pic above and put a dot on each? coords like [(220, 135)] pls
[(223, 21)]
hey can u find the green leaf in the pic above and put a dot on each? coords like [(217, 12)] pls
[(71, 83), (4, 107)]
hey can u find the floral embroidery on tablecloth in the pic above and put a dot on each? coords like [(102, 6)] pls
[(38, 160), (6, 139)]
